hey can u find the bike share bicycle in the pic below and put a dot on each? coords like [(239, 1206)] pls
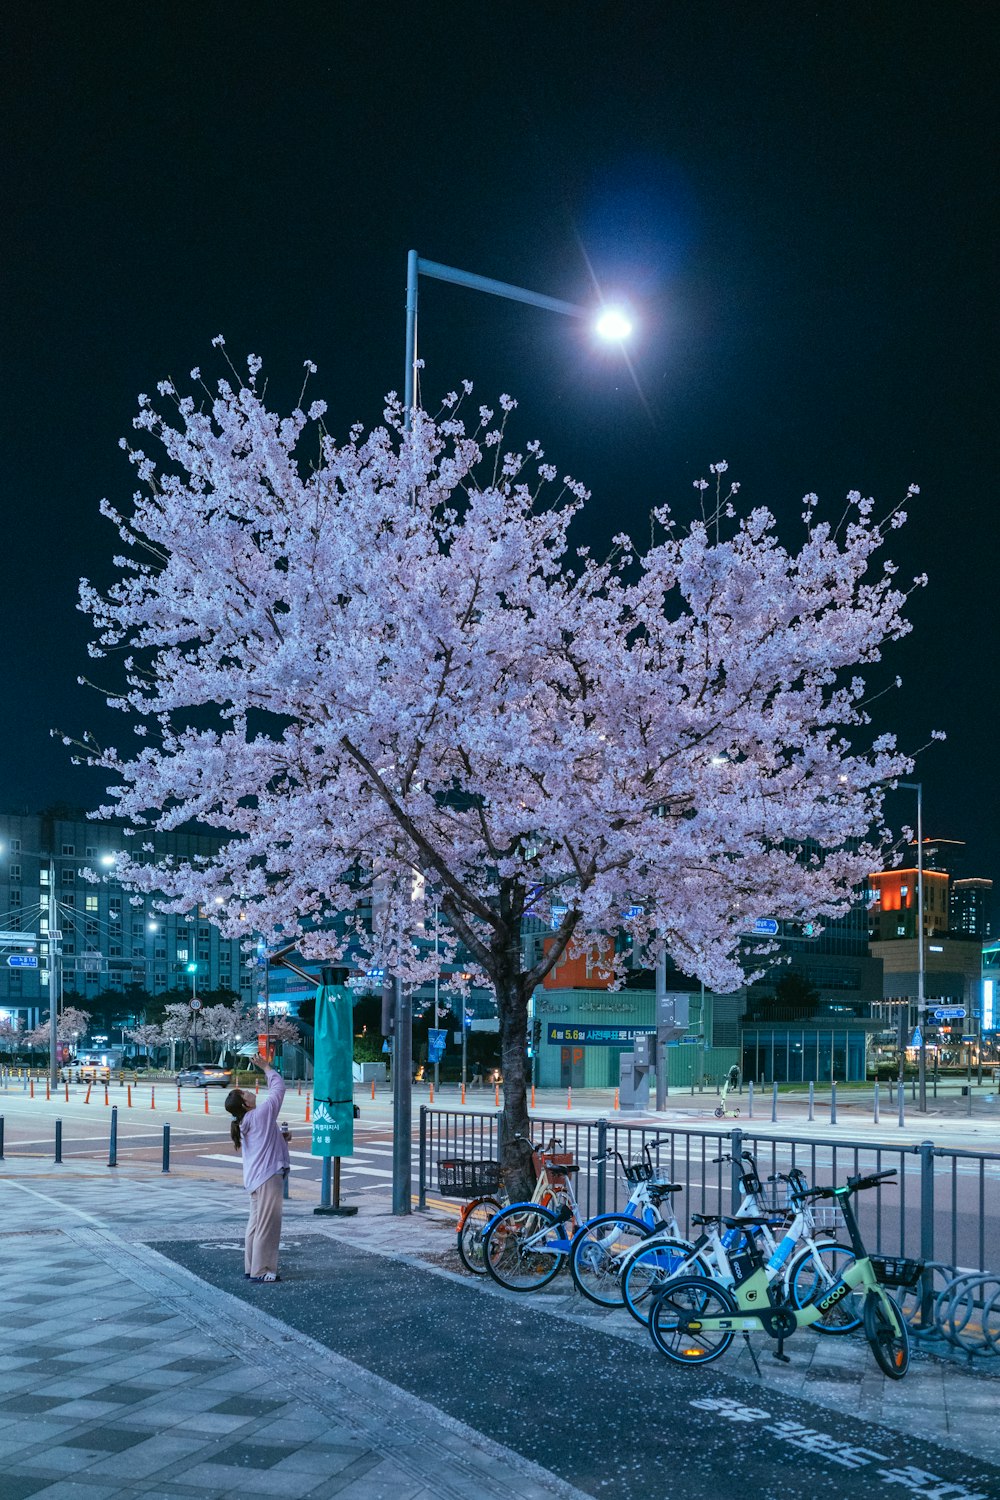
[(693, 1320)]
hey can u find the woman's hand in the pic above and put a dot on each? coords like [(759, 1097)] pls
[(257, 1061)]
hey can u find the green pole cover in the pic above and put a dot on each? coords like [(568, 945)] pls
[(333, 1072)]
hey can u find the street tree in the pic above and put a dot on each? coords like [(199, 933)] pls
[(71, 1024), (384, 673)]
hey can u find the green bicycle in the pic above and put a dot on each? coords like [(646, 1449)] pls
[(694, 1319)]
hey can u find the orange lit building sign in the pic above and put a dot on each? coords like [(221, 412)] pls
[(896, 890), (586, 972)]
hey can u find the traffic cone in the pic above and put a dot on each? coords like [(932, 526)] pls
[(87, 1095), (152, 1097), (178, 1101), (206, 1101), (308, 1110)]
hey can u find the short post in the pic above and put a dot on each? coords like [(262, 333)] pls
[(113, 1146), (1, 1137), (284, 1183), (875, 1104), (329, 1191), (750, 1099), (166, 1148), (926, 1149), (902, 1106), (774, 1102), (422, 1164), (59, 1140), (812, 1098), (833, 1102), (602, 1166), (736, 1152)]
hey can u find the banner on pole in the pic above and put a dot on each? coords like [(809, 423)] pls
[(333, 1072)]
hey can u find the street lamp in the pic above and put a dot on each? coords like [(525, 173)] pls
[(918, 787), (612, 324), (192, 969)]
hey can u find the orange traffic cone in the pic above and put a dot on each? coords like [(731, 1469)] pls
[(178, 1101), (106, 1100), (87, 1096), (308, 1110), (569, 1098), (152, 1097), (206, 1101)]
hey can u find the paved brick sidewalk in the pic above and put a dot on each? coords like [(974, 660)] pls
[(129, 1376)]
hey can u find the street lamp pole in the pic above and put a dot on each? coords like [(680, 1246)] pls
[(918, 787), (55, 977)]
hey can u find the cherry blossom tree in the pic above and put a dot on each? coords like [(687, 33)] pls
[(384, 673), (72, 1023)]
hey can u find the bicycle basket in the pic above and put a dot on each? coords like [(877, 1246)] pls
[(458, 1178), (892, 1270), (553, 1162), (638, 1171)]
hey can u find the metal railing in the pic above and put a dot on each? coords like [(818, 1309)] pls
[(943, 1207)]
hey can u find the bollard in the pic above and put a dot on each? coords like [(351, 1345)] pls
[(308, 1109), (256, 1085), (1, 1137), (774, 1102), (750, 1099), (48, 1091), (113, 1145), (902, 1106), (616, 1099), (67, 1091), (432, 1093), (152, 1096), (166, 1148), (569, 1098), (128, 1097), (833, 1103), (298, 1089), (812, 1093), (206, 1101), (106, 1099), (875, 1104), (496, 1096), (86, 1097), (32, 1087), (373, 1092), (532, 1095), (284, 1184), (463, 1092), (59, 1140)]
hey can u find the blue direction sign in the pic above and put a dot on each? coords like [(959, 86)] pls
[(22, 961), (763, 927), (916, 1039), (949, 1013)]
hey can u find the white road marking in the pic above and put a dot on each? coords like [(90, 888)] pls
[(231, 1161)]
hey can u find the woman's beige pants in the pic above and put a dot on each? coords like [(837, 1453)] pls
[(264, 1228)]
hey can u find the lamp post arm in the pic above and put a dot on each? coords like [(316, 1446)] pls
[(438, 272)]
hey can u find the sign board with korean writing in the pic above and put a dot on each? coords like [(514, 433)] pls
[(597, 1036), (18, 939), (22, 961), (949, 1012), (762, 927)]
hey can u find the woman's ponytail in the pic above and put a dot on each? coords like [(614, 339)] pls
[(236, 1106)]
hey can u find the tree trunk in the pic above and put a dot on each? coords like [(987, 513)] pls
[(515, 1130)]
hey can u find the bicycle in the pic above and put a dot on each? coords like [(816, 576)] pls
[(601, 1245), (693, 1320), (522, 1249), (486, 1179)]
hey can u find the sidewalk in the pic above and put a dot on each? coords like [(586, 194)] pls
[(124, 1374)]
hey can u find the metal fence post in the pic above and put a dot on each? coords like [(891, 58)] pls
[(902, 1106), (875, 1104), (833, 1102), (736, 1151), (602, 1166), (1, 1137), (284, 1184), (926, 1149), (59, 1140), (422, 1169), (812, 1097), (166, 1149), (750, 1099), (774, 1102), (113, 1144)]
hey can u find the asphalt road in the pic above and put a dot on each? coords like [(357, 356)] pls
[(606, 1415)]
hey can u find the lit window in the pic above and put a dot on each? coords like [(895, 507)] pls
[(90, 903)]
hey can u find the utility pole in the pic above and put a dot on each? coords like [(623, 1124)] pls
[(918, 787), (55, 976), (402, 1089)]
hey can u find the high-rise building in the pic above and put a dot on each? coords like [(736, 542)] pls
[(971, 904), (110, 939)]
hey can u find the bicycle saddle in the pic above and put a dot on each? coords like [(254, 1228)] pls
[(665, 1187), (749, 1221), (704, 1218)]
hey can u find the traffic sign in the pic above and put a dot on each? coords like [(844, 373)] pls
[(195, 1003), (763, 927), (949, 1013), (18, 939), (22, 961), (916, 1040)]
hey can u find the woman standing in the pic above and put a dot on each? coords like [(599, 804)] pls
[(259, 1140)]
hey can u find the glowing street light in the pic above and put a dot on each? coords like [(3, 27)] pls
[(613, 325)]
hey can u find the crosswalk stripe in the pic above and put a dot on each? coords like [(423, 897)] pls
[(231, 1161)]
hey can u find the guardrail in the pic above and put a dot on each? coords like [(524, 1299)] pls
[(935, 1210)]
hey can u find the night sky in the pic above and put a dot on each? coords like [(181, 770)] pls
[(798, 201)]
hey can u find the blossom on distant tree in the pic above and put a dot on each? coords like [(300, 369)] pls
[(383, 674)]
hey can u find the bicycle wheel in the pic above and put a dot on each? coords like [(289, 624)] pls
[(595, 1261), (885, 1330), (649, 1268), (812, 1273), (685, 1300), (469, 1239), (518, 1247)]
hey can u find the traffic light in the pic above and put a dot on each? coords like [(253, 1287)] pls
[(536, 1038)]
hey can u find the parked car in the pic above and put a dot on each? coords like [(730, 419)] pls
[(85, 1072), (204, 1074)]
